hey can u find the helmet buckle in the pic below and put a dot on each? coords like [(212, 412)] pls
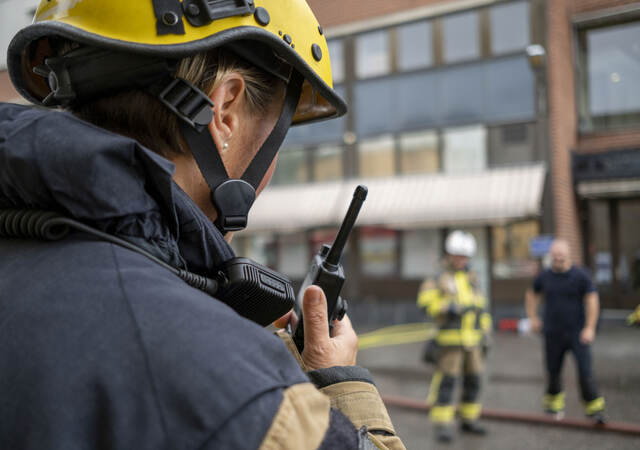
[(233, 200), (188, 102), (203, 12)]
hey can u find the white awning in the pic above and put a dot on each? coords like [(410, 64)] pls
[(494, 196)]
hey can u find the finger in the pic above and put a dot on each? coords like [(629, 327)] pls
[(314, 316), (343, 330), (341, 327), (283, 321)]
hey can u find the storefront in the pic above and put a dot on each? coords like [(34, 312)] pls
[(401, 228), (608, 189)]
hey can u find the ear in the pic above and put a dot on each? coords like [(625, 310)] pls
[(228, 105)]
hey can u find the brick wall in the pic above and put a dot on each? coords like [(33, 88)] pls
[(582, 6), (562, 123), (338, 12), (609, 141)]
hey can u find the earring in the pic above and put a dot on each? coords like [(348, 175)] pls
[(225, 146)]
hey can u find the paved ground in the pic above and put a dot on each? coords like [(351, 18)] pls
[(515, 381)]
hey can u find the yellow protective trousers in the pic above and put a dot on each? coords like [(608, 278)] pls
[(453, 362)]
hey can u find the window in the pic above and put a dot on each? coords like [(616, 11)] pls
[(260, 248), (487, 91), (480, 262), (419, 152), (291, 167), (336, 54), (460, 36), (509, 27), (421, 253), (377, 157), (372, 54), (415, 48), (293, 251), (465, 149), (328, 163), (600, 244), (511, 253), (610, 70), (378, 251), (512, 144)]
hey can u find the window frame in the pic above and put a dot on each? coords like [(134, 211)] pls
[(586, 126)]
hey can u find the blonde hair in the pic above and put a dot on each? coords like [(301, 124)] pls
[(139, 115)]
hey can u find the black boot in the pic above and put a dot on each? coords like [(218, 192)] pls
[(598, 418), (443, 434), (473, 428)]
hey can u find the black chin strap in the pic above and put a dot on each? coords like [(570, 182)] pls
[(232, 198)]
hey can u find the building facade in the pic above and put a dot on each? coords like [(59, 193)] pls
[(512, 119), (447, 128), (456, 90)]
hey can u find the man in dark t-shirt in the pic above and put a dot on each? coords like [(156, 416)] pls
[(570, 316)]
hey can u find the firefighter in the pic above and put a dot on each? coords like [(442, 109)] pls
[(117, 336), (454, 300)]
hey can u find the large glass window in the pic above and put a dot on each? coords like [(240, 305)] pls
[(421, 253), (509, 27), (293, 250), (415, 48), (378, 251), (372, 54), (328, 163), (511, 253), (292, 166), (419, 152), (512, 144), (377, 157), (460, 35), (464, 149), (610, 70), (336, 54), (487, 91)]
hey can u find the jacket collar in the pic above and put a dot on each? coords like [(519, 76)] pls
[(53, 160)]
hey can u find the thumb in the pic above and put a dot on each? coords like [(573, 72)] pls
[(314, 316)]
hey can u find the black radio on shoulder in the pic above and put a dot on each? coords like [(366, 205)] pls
[(254, 291)]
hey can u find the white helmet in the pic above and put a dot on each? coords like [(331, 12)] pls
[(460, 243)]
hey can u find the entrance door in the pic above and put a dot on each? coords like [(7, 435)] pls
[(613, 250)]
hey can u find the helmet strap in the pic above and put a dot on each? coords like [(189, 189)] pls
[(232, 198)]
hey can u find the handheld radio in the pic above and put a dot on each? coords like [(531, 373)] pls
[(327, 272)]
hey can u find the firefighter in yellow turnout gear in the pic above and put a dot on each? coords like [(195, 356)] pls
[(458, 308)]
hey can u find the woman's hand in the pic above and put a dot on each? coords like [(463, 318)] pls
[(322, 351)]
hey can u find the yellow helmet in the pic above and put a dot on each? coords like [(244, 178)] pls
[(175, 29), (132, 43)]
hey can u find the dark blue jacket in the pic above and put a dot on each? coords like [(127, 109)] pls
[(100, 348)]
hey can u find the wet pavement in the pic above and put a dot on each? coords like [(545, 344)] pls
[(515, 381)]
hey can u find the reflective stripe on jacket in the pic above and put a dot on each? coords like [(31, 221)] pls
[(459, 309)]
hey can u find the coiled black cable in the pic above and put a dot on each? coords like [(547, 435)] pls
[(51, 226)]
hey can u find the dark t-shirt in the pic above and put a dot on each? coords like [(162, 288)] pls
[(564, 298)]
